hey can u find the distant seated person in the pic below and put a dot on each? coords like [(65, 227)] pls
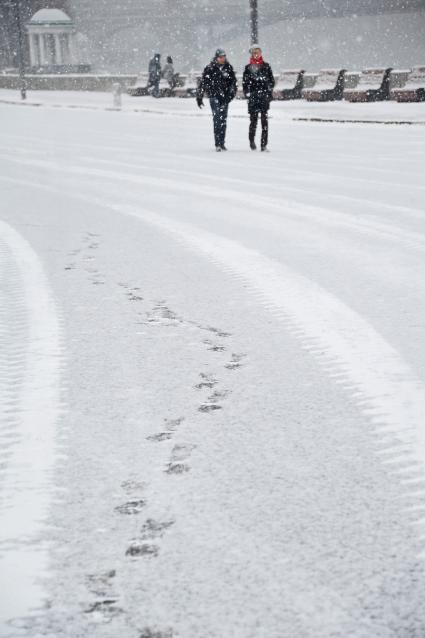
[(168, 72)]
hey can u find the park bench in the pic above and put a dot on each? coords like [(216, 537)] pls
[(165, 90), (398, 78), (414, 88), (373, 86), (140, 87), (328, 87), (289, 85), (187, 85), (309, 80), (351, 79)]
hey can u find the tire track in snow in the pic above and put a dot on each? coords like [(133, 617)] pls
[(346, 345), (351, 351), (269, 185), (313, 213), (30, 384), (13, 332), (133, 145), (385, 387)]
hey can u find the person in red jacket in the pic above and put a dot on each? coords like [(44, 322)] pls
[(258, 83)]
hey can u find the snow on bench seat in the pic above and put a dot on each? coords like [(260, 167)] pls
[(414, 88), (189, 84), (140, 87), (373, 86), (328, 87), (289, 85)]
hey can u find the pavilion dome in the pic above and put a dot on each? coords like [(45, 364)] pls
[(50, 16)]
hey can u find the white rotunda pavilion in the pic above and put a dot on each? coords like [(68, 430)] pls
[(51, 34)]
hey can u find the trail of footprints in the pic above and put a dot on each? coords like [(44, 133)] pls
[(147, 545), (86, 256)]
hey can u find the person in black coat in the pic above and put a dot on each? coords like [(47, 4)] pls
[(258, 83), (218, 81), (155, 74)]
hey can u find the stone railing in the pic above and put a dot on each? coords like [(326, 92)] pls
[(67, 82)]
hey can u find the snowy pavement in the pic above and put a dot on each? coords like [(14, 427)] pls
[(212, 376), (293, 109)]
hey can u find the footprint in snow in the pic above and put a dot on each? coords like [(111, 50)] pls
[(131, 507), (137, 549), (161, 436), (171, 426), (212, 402), (133, 296), (179, 456), (213, 347), (132, 485), (174, 467), (209, 407), (101, 605), (103, 611), (216, 331), (235, 361), (155, 529), (208, 381), (151, 529), (100, 584), (147, 632)]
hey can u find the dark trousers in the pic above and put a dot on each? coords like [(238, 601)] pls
[(264, 128), (219, 112), (153, 86)]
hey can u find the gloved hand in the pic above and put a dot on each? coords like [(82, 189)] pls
[(200, 102)]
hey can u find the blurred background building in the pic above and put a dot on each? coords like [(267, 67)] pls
[(121, 35)]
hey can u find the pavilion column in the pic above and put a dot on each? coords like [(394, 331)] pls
[(66, 54), (43, 56), (71, 49), (33, 50), (58, 48)]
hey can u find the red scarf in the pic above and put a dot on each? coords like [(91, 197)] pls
[(257, 61)]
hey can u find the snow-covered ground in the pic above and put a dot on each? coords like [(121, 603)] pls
[(288, 110), (212, 378)]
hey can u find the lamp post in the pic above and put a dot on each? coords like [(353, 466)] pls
[(21, 62), (253, 4)]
